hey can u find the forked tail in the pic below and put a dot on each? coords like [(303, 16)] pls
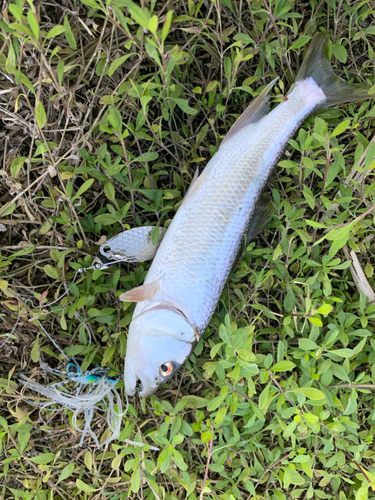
[(317, 66)]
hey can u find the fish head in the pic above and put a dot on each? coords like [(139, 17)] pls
[(159, 342)]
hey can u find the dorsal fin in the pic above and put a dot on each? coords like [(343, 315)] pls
[(140, 293), (253, 113), (196, 175)]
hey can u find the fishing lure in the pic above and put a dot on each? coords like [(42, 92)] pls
[(82, 392)]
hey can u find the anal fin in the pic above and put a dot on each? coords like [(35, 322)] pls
[(262, 213)]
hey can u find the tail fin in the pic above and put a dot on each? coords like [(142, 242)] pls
[(317, 66)]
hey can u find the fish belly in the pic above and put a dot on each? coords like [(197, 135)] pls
[(198, 250)]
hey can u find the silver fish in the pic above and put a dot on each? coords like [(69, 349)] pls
[(191, 266)]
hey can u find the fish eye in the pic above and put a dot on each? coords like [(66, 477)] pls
[(73, 369), (167, 368)]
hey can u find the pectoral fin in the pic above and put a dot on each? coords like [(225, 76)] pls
[(140, 293)]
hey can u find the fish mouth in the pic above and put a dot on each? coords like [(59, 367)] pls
[(145, 389)]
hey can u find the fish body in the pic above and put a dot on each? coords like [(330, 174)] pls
[(191, 266), (197, 253)]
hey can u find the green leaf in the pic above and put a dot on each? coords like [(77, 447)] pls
[(283, 366), (149, 156), (118, 62), (315, 321), (40, 114), (216, 402), (309, 196), (50, 271), (343, 353), (55, 31), (244, 38), (9, 210), (85, 487), (85, 186), (341, 127), (289, 300), (362, 492), (66, 472), (309, 392), (167, 25), (339, 51), (300, 42), (108, 354), (325, 309), (339, 232), (153, 24), (43, 459), (33, 23), (307, 345), (91, 3), (109, 191), (17, 165), (140, 16), (136, 480), (35, 351), (183, 105), (69, 34)]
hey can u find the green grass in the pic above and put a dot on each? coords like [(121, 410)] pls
[(106, 110)]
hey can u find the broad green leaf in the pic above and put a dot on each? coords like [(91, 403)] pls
[(289, 300), (40, 113), (69, 34), (66, 472), (85, 487), (339, 51), (343, 353), (283, 366), (309, 392), (55, 31), (153, 24), (325, 309), (167, 25), (307, 345), (51, 271), (362, 492), (35, 351), (109, 191), (17, 165), (43, 459), (300, 42), (108, 354), (117, 63), (33, 23), (85, 186), (183, 105), (341, 127), (315, 321), (339, 232)]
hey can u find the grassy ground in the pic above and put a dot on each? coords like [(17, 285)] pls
[(106, 110)]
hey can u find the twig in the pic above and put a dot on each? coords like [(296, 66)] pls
[(269, 468), (208, 464)]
